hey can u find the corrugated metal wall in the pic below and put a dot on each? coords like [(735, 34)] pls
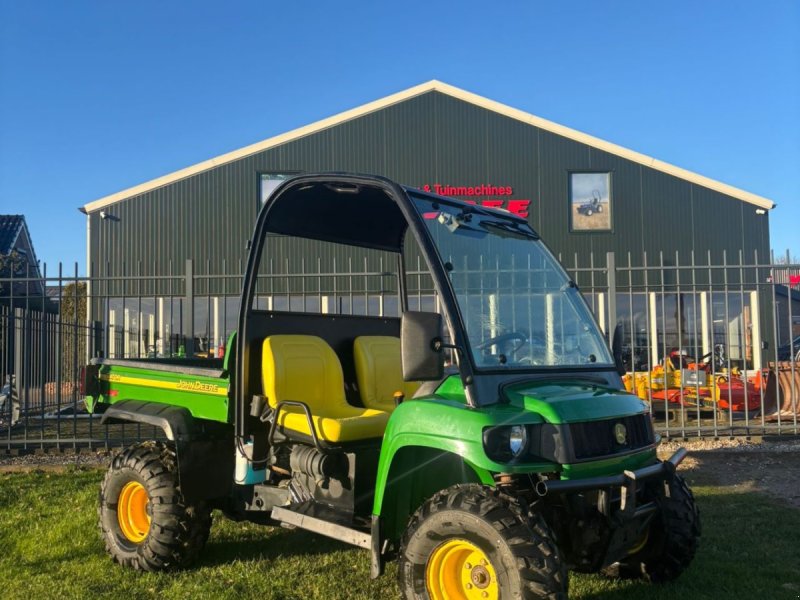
[(432, 138)]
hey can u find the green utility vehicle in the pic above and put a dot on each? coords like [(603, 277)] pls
[(488, 446)]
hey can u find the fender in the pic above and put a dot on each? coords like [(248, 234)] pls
[(205, 449), (414, 475), (448, 426), (429, 444), (177, 422)]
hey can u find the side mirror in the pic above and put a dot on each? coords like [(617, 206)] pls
[(616, 349), (419, 334)]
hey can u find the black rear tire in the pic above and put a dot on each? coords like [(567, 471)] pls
[(522, 559), (174, 533), (673, 539)]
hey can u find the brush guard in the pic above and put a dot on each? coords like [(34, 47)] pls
[(627, 518)]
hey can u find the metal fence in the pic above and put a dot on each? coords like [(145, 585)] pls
[(712, 347)]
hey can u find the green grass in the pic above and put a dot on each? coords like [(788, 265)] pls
[(50, 548)]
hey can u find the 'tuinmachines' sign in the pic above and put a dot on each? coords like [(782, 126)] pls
[(473, 193)]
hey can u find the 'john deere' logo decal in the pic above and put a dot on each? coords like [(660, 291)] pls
[(620, 433), (197, 386)]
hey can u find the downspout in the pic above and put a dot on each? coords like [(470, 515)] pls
[(89, 307)]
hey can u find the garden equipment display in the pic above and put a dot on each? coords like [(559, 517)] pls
[(490, 477), (708, 383)]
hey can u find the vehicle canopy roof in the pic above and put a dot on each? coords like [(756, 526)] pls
[(374, 212), (358, 210)]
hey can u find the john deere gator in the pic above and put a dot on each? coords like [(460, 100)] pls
[(488, 447)]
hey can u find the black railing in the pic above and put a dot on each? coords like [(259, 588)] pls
[(711, 347)]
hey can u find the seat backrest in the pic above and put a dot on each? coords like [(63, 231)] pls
[(303, 368), (379, 371)]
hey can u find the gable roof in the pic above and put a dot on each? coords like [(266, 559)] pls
[(455, 92), (10, 228), (14, 234)]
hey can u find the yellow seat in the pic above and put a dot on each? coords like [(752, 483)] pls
[(305, 368), (379, 372)]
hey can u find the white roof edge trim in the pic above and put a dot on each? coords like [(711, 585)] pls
[(455, 92), (22, 225), (23, 228)]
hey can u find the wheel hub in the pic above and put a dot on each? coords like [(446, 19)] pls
[(133, 512), (480, 577), (459, 570)]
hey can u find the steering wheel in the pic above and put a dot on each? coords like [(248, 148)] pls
[(505, 338), (717, 357)]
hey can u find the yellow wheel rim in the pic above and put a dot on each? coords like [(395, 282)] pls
[(640, 544), (459, 570), (134, 521)]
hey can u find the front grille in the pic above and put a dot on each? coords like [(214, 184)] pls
[(598, 438)]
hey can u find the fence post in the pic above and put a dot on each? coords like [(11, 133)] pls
[(611, 270), (755, 331), (10, 360), (97, 339), (188, 312)]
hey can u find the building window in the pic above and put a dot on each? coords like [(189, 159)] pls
[(656, 324), (268, 182), (590, 201)]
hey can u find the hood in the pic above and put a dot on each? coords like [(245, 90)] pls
[(570, 401)]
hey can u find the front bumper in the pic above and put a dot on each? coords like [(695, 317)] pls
[(628, 484), (626, 504), (628, 479)]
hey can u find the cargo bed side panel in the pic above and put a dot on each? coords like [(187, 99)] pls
[(205, 397)]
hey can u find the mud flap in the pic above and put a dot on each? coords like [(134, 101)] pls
[(376, 556)]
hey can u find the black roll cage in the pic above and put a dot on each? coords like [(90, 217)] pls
[(348, 183), (480, 390)]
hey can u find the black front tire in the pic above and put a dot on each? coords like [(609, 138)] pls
[(522, 556), (177, 532), (672, 542)]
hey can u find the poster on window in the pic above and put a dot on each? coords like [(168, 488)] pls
[(590, 201)]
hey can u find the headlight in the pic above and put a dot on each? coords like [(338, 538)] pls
[(505, 443), (517, 440)]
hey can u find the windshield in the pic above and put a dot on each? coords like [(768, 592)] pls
[(519, 307)]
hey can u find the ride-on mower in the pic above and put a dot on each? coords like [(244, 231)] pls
[(486, 478), (592, 206)]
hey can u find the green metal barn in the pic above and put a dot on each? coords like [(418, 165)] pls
[(651, 245)]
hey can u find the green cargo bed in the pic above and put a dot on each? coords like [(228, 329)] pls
[(199, 385)]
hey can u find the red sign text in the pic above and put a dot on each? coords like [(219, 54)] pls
[(515, 206)]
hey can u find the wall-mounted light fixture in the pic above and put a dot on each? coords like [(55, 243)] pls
[(108, 216), (760, 211)]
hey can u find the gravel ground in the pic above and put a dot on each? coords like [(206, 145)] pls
[(47, 462), (770, 466)]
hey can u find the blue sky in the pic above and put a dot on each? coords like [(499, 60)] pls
[(98, 96)]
